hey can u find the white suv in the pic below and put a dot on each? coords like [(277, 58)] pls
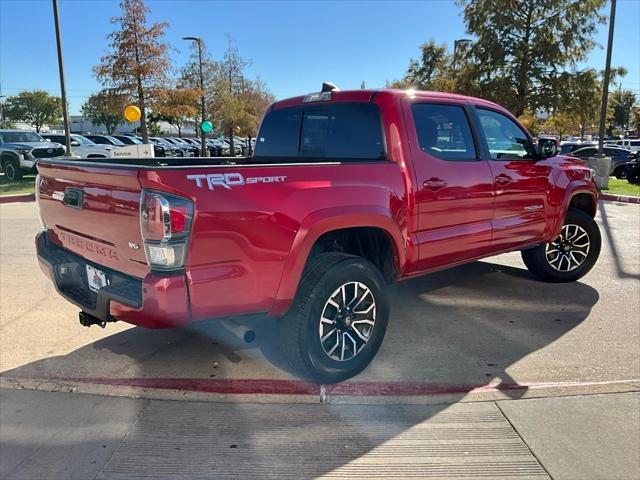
[(82, 146)]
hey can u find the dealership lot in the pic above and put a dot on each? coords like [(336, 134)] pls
[(487, 323)]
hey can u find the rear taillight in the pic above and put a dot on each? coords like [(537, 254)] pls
[(43, 225), (165, 222)]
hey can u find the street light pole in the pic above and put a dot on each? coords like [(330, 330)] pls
[(605, 83), (1, 111), (456, 43), (203, 136), (63, 91)]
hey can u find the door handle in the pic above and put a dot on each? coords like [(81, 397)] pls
[(434, 184), (503, 179)]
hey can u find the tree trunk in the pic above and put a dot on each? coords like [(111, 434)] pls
[(231, 149), (143, 113)]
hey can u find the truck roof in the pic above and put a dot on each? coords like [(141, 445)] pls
[(368, 95)]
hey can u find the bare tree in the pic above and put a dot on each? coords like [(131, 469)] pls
[(138, 64)]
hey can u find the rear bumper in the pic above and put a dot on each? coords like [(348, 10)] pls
[(154, 301)]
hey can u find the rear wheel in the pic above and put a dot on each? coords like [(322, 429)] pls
[(338, 319), (571, 255), (11, 169)]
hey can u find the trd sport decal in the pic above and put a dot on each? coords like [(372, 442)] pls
[(229, 180)]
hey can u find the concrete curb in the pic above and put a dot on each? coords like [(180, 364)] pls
[(295, 391), (619, 198), (24, 197)]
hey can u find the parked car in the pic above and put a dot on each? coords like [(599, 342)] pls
[(171, 149), (632, 144), (214, 151), (186, 149), (104, 140), (221, 148), (348, 192), (81, 146), (158, 150), (192, 150), (569, 147), (20, 151), (619, 156)]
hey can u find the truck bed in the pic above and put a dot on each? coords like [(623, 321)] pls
[(247, 217)]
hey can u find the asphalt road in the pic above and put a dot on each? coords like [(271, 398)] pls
[(486, 323)]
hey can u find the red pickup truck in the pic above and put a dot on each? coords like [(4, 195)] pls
[(347, 192)]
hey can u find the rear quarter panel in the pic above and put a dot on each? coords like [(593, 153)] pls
[(243, 237)]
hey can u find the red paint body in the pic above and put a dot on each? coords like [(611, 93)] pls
[(249, 245)]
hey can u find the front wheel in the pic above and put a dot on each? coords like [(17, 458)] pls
[(571, 255), (338, 319), (633, 175), (12, 170), (620, 173)]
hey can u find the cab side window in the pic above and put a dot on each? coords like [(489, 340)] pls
[(505, 139), (443, 131)]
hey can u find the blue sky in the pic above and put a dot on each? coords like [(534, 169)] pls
[(292, 45)]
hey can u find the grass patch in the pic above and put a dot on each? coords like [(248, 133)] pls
[(622, 187), (24, 185)]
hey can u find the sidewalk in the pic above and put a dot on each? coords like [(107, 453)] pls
[(70, 435)]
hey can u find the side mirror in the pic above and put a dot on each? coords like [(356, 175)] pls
[(73, 143), (547, 147)]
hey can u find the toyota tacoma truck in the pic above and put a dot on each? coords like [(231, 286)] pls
[(346, 193)]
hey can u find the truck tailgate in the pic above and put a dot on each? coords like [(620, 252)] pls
[(94, 211)]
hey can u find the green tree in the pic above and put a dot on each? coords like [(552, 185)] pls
[(106, 108), (431, 71), (211, 72), (36, 108), (522, 45), (176, 106), (580, 94), (635, 120), (622, 103), (138, 64)]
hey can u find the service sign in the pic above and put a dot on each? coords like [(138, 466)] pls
[(133, 151)]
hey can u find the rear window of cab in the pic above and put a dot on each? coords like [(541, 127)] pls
[(347, 132)]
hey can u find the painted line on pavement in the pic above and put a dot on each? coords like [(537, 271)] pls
[(619, 198), (27, 197), (298, 387)]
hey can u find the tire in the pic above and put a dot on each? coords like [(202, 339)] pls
[(11, 169), (620, 173), (301, 329), (633, 175), (567, 258)]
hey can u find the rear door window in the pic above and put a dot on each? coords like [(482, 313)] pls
[(443, 131)]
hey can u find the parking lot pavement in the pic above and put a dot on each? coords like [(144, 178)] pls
[(76, 436), (484, 324)]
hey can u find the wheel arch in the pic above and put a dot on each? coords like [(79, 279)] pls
[(580, 197), (7, 156), (335, 224)]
